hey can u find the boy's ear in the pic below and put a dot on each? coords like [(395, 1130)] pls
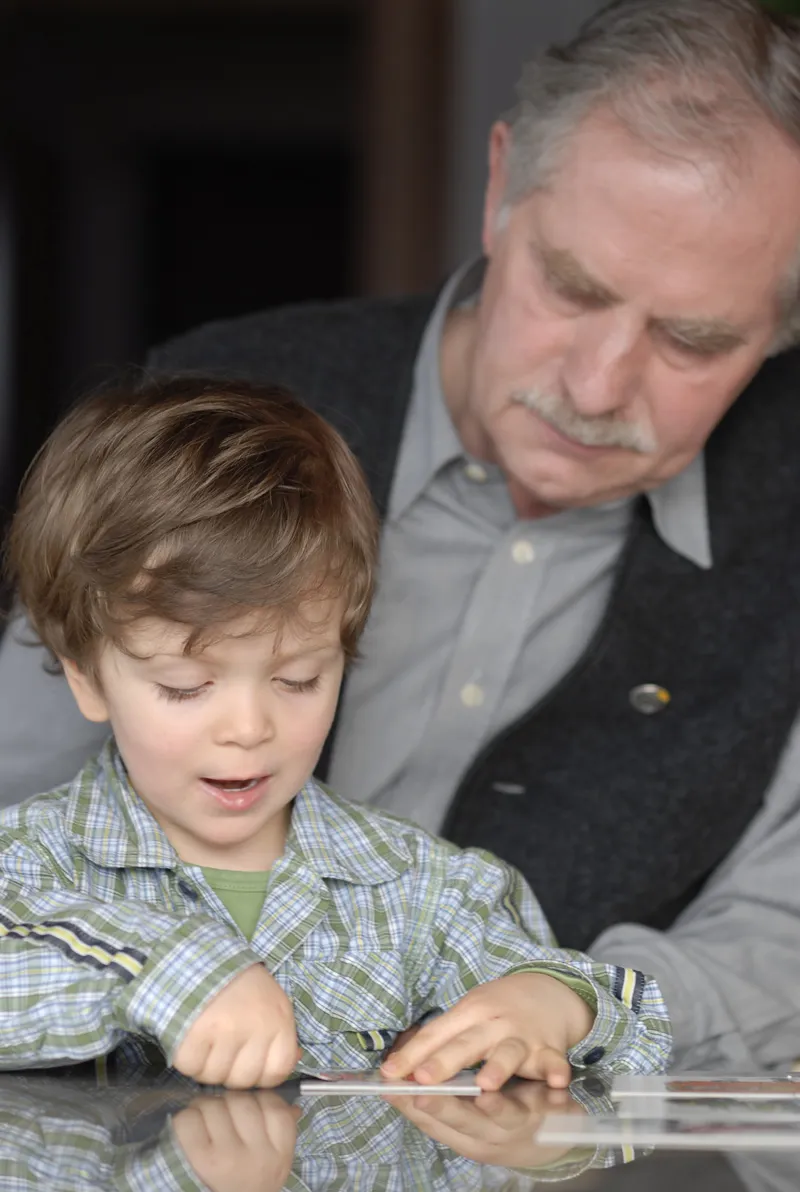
[(87, 694)]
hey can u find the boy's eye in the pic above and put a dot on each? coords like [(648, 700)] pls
[(300, 685), (176, 694)]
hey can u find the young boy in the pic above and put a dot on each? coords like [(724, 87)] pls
[(198, 557)]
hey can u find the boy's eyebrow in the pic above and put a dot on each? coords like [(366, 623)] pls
[(324, 648), (283, 656)]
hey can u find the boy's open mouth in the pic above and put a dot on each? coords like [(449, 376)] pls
[(234, 784), (237, 794)]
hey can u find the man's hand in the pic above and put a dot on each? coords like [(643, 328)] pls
[(520, 1025), (496, 1128), (240, 1141), (244, 1038)]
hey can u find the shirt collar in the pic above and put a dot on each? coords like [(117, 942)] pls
[(341, 840), (429, 438), (680, 513), (108, 823), (679, 506)]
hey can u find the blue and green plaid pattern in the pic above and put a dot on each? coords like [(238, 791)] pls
[(369, 924)]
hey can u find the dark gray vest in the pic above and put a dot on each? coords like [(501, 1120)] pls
[(623, 815)]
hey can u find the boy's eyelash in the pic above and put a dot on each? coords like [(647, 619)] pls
[(177, 694), (301, 684)]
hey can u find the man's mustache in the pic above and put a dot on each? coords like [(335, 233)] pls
[(606, 430)]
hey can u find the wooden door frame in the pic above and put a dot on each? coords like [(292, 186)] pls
[(406, 124)]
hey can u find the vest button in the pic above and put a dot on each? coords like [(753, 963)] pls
[(649, 698)]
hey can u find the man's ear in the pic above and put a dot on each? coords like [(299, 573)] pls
[(499, 145), (88, 695)]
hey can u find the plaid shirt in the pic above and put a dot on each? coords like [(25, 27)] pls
[(369, 925)]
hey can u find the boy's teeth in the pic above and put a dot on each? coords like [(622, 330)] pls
[(231, 785)]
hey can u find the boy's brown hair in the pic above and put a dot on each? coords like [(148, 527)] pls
[(192, 500)]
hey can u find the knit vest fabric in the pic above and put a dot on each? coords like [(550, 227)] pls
[(617, 816)]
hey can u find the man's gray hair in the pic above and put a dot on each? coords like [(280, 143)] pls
[(685, 75)]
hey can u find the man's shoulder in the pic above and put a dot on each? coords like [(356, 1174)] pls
[(310, 337)]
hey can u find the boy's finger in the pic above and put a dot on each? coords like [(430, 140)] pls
[(217, 1064), (246, 1068), (424, 1043), (549, 1065), (502, 1062), (466, 1050), (404, 1037), (191, 1055), (282, 1057)]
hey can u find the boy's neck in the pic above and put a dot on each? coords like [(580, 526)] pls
[(255, 855)]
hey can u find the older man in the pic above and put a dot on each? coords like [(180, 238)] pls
[(584, 651)]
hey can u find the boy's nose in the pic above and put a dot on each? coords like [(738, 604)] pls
[(247, 723)]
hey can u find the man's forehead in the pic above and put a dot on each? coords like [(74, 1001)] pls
[(683, 212), (676, 262)]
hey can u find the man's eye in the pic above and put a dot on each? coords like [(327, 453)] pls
[(698, 350), (176, 694), (581, 298), (300, 685)]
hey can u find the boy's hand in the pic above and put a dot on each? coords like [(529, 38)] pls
[(520, 1025), (245, 1036)]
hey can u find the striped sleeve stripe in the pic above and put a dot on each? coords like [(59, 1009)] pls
[(73, 943), (628, 987)]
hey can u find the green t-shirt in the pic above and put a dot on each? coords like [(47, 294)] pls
[(242, 893)]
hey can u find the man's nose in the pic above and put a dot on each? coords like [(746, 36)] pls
[(603, 368)]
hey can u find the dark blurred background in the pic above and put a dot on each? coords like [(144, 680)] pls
[(165, 162)]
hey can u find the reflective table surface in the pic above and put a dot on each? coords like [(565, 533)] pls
[(79, 1130), (75, 1129)]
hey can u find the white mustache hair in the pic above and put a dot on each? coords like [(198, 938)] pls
[(606, 430)]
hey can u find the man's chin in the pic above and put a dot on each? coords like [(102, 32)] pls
[(536, 496)]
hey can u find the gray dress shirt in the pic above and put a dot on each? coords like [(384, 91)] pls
[(477, 615)]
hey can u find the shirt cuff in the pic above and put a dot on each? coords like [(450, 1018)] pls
[(615, 1027), (183, 972)]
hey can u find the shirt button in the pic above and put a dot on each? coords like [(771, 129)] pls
[(475, 472), (649, 698), (471, 695), (594, 1056), (522, 551)]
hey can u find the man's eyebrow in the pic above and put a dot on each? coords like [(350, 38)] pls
[(561, 266), (712, 335)]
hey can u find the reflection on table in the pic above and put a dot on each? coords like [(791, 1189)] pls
[(68, 1131)]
